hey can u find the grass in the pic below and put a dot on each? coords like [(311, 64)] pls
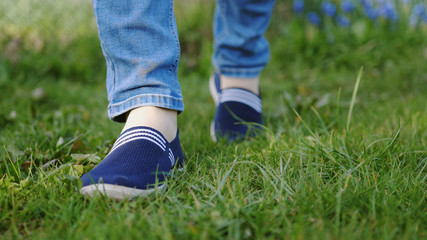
[(331, 164)]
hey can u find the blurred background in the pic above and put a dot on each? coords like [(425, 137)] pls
[(52, 67), (354, 167), (59, 38)]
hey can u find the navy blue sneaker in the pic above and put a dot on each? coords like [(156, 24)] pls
[(238, 112), (138, 164)]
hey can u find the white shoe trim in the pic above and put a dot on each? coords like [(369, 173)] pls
[(242, 96), (141, 132), (213, 90), (213, 136), (137, 138), (171, 157), (118, 192)]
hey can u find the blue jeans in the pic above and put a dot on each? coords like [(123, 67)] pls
[(140, 43)]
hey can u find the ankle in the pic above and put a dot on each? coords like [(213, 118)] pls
[(250, 84), (162, 119)]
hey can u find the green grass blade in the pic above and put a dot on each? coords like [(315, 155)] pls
[(353, 98)]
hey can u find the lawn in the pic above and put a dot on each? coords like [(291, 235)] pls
[(343, 155)]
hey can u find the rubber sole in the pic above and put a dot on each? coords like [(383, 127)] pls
[(212, 130), (215, 97), (117, 192), (213, 90)]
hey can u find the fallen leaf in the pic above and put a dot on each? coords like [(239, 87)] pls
[(92, 158), (78, 169), (15, 152), (60, 141), (79, 157), (77, 145), (26, 165), (12, 115), (303, 90), (38, 94), (51, 162)]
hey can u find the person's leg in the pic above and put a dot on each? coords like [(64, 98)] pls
[(240, 54), (140, 44)]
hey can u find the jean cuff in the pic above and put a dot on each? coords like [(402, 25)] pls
[(117, 111), (240, 72)]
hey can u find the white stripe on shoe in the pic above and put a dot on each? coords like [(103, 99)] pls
[(137, 138), (140, 134), (213, 90), (142, 130), (242, 96), (171, 158)]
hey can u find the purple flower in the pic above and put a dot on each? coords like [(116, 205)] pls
[(367, 4), (369, 9), (313, 18), (343, 21), (347, 6), (419, 12), (372, 13), (329, 8), (419, 9), (298, 6), (388, 11)]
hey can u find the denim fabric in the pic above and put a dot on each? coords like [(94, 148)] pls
[(240, 48), (140, 43), (139, 40)]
